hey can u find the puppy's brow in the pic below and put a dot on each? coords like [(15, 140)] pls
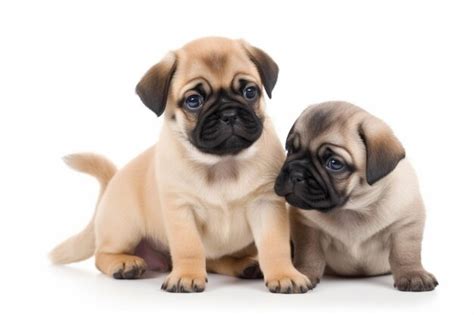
[(215, 62), (197, 78), (321, 120), (201, 83), (200, 89)]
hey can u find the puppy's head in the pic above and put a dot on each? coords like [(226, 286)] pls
[(211, 92), (336, 151)]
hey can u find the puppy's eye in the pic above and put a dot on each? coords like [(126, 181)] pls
[(194, 101), (250, 92), (335, 164)]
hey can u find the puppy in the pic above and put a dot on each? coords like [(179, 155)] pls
[(204, 192), (360, 210)]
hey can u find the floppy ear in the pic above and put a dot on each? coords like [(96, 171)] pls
[(267, 68), (153, 87), (383, 149)]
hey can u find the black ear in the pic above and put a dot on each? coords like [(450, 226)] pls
[(153, 87), (383, 149), (267, 68)]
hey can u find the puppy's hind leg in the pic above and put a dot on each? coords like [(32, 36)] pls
[(244, 267), (117, 238), (243, 264), (121, 266), (114, 257)]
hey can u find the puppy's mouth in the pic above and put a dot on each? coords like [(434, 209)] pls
[(301, 202), (228, 130), (296, 201), (303, 192)]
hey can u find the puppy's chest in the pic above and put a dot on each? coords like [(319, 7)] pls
[(220, 207), (354, 247), (224, 229), (357, 258), (224, 184)]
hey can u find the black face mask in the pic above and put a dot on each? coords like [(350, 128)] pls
[(303, 186), (226, 127)]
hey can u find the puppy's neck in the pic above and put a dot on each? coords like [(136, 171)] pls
[(227, 169), (368, 199)]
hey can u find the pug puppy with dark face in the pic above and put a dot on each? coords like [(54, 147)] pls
[(358, 210), (204, 193)]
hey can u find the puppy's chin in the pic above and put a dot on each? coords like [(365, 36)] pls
[(300, 203), (211, 159), (232, 145), (293, 200)]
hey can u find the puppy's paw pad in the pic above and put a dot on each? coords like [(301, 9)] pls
[(130, 269), (294, 282), (178, 283), (416, 281)]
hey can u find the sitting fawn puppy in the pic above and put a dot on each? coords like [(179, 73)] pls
[(357, 207)]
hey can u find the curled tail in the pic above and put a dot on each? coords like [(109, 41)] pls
[(82, 245)]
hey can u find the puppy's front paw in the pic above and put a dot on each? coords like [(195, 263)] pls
[(288, 282), (415, 281), (178, 282)]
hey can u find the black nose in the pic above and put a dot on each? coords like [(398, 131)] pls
[(297, 177), (229, 116)]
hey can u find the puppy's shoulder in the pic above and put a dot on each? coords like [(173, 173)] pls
[(403, 195)]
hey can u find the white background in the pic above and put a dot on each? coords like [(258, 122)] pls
[(67, 76)]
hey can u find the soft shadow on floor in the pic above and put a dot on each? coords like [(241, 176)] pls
[(382, 282), (224, 293)]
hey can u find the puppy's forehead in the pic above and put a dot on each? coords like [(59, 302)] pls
[(215, 59), (330, 122)]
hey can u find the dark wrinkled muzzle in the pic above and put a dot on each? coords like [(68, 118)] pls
[(227, 129), (303, 187)]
